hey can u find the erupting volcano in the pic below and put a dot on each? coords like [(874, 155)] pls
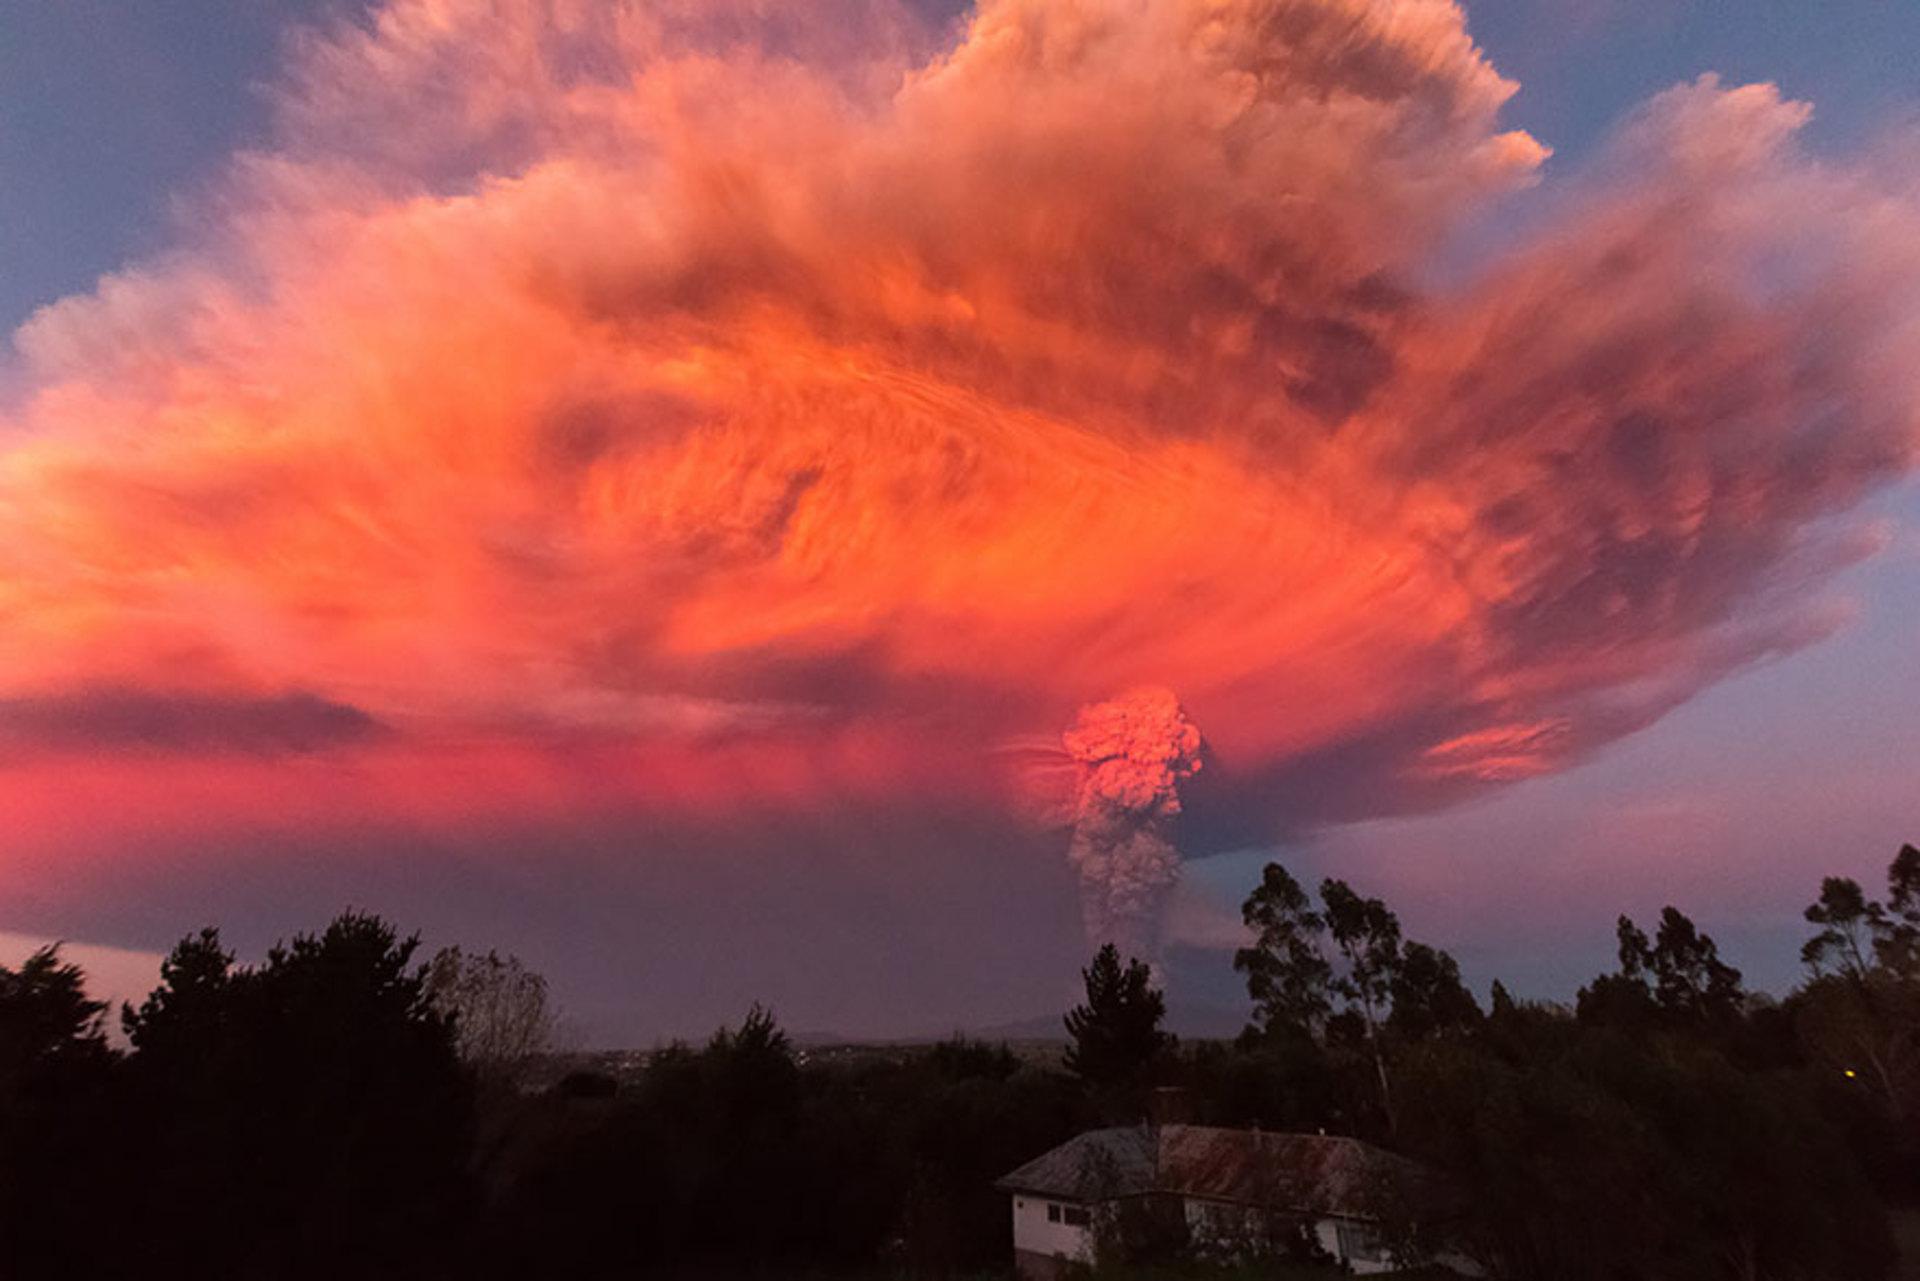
[(696, 415), (1134, 753)]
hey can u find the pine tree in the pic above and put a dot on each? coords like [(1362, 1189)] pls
[(1117, 1033)]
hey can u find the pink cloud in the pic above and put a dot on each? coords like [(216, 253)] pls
[(631, 407)]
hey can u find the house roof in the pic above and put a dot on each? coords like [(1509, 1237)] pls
[(1299, 1173)]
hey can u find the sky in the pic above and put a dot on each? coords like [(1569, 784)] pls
[(846, 511)]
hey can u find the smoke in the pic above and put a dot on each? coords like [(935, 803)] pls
[(668, 409), (1133, 753)]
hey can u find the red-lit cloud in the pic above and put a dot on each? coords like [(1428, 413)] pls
[(648, 406)]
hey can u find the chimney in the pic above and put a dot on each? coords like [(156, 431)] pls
[(1170, 1105)]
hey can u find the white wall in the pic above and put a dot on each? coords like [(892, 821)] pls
[(1327, 1233), (1220, 1223), (1032, 1231)]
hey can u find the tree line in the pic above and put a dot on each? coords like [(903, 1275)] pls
[(344, 1108), (1667, 1123)]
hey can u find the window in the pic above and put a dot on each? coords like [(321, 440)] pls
[(1076, 1216), (1360, 1243), (1053, 1213)]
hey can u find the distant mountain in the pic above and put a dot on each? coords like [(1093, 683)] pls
[(1190, 1021)]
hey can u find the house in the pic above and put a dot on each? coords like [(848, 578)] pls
[(1231, 1191)]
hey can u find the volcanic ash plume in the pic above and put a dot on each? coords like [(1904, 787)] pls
[(680, 406), (1134, 753)]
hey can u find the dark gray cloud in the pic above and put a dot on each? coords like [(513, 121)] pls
[(119, 719)]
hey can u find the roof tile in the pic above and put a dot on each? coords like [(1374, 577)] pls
[(1299, 1173)]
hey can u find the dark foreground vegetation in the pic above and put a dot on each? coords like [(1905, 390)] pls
[(343, 1110)]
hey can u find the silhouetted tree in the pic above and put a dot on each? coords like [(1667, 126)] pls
[(1860, 1012), (1583, 1153), (1293, 982), (1623, 998), (1675, 979), (60, 1170), (1288, 976), (1858, 934), (1368, 937), (1116, 1033), (1690, 981), (725, 1159), (960, 1058), (1429, 998), (1850, 924), (307, 1117), (1898, 949), (961, 1119), (1275, 1083), (186, 1015), (48, 1023), (502, 1017)]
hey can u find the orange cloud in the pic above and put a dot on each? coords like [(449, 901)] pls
[(809, 418)]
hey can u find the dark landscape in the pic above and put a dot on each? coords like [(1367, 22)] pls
[(343, 1110)]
